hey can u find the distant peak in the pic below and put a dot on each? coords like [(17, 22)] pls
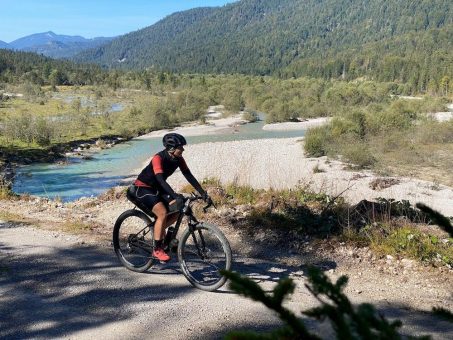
[(50, 34)]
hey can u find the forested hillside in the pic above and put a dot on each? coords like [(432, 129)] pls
[(404, 41), (23, 67)]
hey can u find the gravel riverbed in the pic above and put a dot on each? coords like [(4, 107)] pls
[(282, 164)]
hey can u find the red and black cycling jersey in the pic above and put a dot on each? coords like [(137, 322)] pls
[(162, 166)]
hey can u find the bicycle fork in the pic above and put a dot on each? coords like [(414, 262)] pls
[(197, 245)]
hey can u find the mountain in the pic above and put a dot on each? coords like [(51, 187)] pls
[(4, 44), (55, 45), (385, 39)]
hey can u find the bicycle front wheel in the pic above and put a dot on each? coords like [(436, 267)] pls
[(133, 240), (202, 253)]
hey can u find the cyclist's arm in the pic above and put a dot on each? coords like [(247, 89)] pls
[(156, 163), (165, 186), (190, 178)]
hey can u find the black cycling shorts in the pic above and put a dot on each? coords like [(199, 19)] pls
[(147, 198)]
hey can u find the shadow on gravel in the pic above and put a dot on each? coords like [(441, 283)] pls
[(272, 272), (415, 323), (221, 332), (64, 291)]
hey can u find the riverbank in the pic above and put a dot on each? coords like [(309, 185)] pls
[(212, 126), (282, 164), (302, 125)]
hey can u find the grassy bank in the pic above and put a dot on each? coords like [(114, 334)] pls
[(286, 218), (386, 227), (395, 139)]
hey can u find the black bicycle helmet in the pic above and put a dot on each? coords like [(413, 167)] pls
[(173, 140)]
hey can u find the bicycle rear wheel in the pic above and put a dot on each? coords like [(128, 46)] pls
[(133, 240), (202, 254)]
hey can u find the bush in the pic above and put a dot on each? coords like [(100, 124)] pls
[(251, 116), (359, 154), (434, 132), (43, 132), (316, 141)]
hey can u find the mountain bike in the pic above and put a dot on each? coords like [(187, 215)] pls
[(202, 249)]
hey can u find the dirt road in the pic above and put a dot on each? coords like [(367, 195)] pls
[(54, 285)]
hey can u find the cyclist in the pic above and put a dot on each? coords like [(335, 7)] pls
[(152, 190)]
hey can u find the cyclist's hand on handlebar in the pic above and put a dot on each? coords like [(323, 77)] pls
[(180, 197), (179, 200)]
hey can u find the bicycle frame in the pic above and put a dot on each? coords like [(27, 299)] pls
[(202, 250), (192, 222)]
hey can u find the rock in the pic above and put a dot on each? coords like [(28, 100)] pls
[(406, 263), (389, 257)]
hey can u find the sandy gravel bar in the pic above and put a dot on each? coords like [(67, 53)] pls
[(281, 164), (212, 126), (309, 123)]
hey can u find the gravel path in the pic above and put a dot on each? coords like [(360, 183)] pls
[(54, 285)]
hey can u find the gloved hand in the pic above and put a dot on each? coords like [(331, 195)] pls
[(179, 200), (176, 203)]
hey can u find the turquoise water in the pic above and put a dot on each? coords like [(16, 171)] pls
[(84, 178)]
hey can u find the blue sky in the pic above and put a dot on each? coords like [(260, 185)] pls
[(88, 18)]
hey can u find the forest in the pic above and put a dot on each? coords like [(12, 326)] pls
[(403, 41)]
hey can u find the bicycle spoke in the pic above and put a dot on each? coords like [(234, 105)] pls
[(204, 253), (134, 243)]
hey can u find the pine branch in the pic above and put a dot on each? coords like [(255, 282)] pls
[(250, 289), (437, 218)]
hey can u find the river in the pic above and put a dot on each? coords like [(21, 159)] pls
[(84, 178)]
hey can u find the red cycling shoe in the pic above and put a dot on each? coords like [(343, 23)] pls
[(160, 254)]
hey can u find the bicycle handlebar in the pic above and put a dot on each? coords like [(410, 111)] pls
[(195, 197)]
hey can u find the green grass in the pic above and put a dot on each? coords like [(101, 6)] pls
[(13, 217), (76, 226), (396, 137), (31, 129), (403, 241), (6, 192), (308, 213)]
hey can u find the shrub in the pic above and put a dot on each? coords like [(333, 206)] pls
[(316, 141), (251, 116), (434, 132), (359, 154), (43, 132)]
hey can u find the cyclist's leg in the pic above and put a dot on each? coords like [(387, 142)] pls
[(171, 218), (172, 210), (160, 211)]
